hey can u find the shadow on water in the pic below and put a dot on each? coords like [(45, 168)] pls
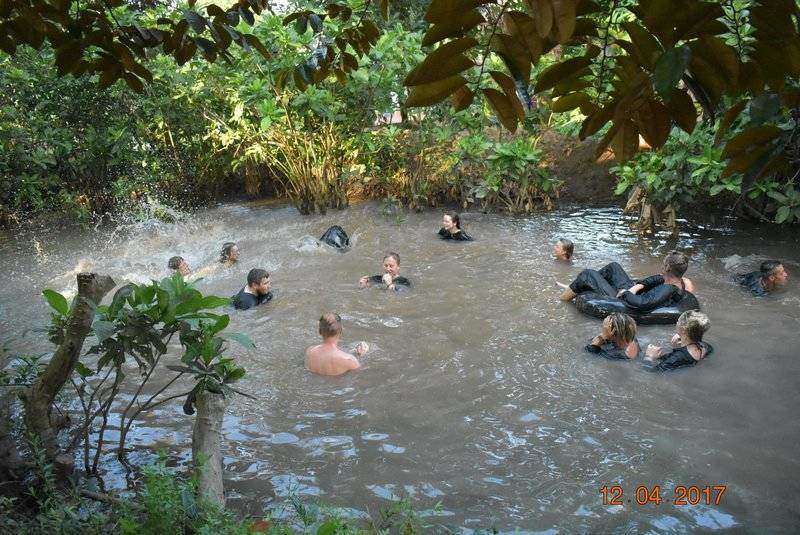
[(477, 393)]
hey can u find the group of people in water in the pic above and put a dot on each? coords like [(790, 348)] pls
[(617, 339)]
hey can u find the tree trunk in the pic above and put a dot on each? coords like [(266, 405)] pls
[(10, 458), (41, 395), (207, 446)]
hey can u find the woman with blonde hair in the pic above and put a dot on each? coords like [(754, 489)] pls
[(617, 340), (688, 347)]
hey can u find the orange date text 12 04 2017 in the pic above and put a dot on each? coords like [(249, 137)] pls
[(681, 495)]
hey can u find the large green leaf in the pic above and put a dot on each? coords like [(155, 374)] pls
[(212, 301), (669, 69), (103, 329), (241, 338), (56, 301)]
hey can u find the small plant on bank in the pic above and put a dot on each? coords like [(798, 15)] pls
[(508, 175), (137, 329)]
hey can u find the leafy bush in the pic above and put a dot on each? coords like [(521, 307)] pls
[(506, 174)]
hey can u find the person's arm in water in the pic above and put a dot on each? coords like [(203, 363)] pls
[(650, 299), (688, 285), (350, 362)]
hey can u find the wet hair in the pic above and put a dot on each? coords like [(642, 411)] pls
[(330, 324), (623, 327), (768, 267), (392, 255), (456, 219), (175, 262), (225, 255), (256, 275), (676, 263), (567, 245), (695, 324)]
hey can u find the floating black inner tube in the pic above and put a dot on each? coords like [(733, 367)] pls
[(600, 306), (336, 237)]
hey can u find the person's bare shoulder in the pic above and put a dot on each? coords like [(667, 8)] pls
[(347, 360)]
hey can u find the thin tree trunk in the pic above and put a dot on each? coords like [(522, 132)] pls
[(207, 446), (41, 395)]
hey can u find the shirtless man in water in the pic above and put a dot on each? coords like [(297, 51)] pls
[(326, 358)]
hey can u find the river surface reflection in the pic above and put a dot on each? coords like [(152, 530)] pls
[(477, 393)]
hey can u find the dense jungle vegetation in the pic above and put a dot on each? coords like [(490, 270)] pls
[(105, 105)]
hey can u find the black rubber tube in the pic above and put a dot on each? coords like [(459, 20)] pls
[(599, 306)]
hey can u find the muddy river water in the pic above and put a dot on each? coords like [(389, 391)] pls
[(477, 393)]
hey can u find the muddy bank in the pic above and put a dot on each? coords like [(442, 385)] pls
[(586, 180)]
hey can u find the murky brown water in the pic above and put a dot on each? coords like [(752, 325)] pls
[(477, 393)]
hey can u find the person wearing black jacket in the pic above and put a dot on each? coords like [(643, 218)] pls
[(688, 347), (255, 293), (451, 228), (617, 340), (770, 276), (645, 295), (391, 279)]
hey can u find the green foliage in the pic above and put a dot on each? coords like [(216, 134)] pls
[(135, 329), (169, 505), (788, 201), (507, 174), (142, 319), (687, 168)]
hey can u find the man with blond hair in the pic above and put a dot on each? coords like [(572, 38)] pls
[(326, 358)]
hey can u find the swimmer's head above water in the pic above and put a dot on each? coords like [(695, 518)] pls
[(563, 250), (675, 264), (451, 222), (258, 281), (691, 326), (619, 328), (177, 263), (330, 325), (773, 274), (391, 264), (229, 254)]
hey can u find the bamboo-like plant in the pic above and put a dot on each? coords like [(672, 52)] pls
[(312, 166)]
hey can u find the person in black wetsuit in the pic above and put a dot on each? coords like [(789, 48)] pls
[(255, 293), (451, 228), (771, 276), (391, 278), (648, 294), (688, 347), (563, 250), (617, 340), (177, 263), (229, 254)]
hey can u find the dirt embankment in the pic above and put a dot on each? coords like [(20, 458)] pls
[(586, 180)]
